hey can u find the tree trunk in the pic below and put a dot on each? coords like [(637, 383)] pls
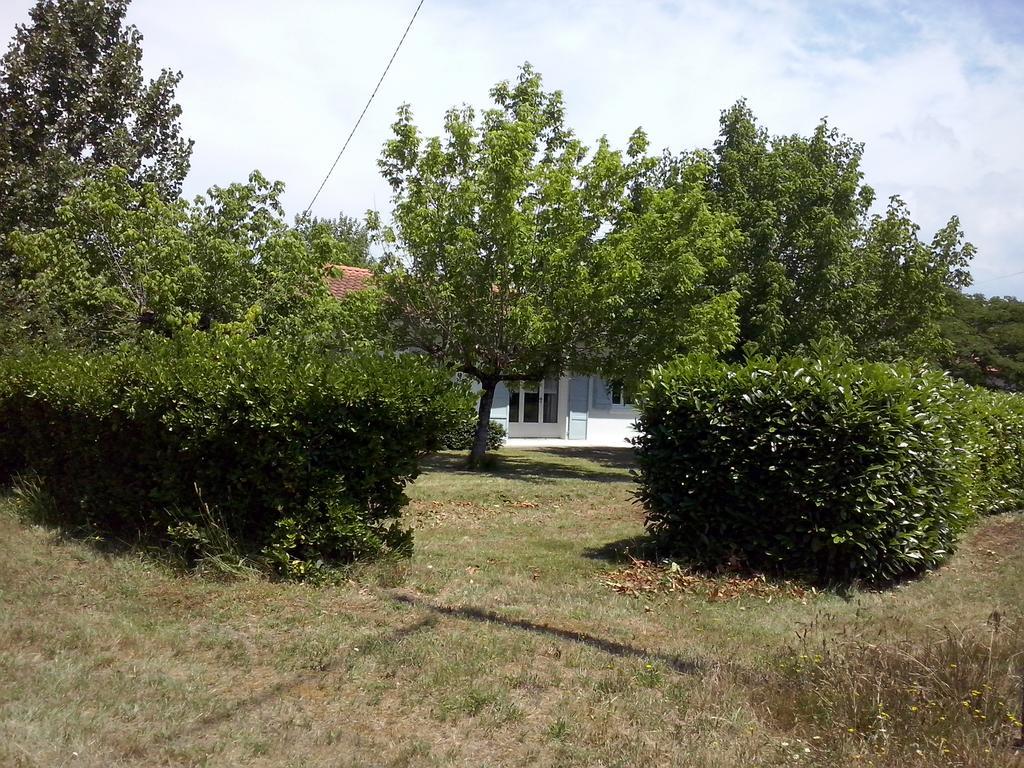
[(483, 422)]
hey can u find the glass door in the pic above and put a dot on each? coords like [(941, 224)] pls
[(533, 402)]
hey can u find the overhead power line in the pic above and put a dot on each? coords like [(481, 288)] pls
[(368, 102), (1000, 277)]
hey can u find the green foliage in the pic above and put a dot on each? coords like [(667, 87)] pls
[(461, 434), (498, 259), (659, 300), (301, 457), (811, 264), (120, 264), (73, 103), (990, 428), (116, 256), (832, 470), (987, 341), (798, 202), (905, 289), (339, 240)]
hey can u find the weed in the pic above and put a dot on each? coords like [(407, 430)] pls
[(952, 698), (559, 729)]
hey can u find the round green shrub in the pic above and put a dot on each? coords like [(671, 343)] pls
[(833, 471)]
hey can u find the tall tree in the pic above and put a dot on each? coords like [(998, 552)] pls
[(799, 203), (812, 264), (73, 103), (499, 262)]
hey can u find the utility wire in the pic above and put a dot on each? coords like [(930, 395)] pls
[(361, 114), (1000, 277)]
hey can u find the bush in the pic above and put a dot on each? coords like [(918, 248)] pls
[(990, 427), (301, 458), (833, 471), (462, 433)]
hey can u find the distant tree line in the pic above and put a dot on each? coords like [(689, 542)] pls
[(987, 338)]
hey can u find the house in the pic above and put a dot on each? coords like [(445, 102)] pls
[(575, 408), (570, 408)]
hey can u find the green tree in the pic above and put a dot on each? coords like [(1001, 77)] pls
[(799, 203), (117, 258), (986, 337), (661, 299), (904, 288), (812, 264), (339, 240), (499, 262), (121, 262), (73, 103)]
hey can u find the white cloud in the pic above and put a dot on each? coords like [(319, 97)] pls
[(936, 92)]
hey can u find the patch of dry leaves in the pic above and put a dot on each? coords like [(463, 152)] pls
[(644, 577), (434, 513)]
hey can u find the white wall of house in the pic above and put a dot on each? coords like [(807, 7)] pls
[(611, 427), (599, 421)]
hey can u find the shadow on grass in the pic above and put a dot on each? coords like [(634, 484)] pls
[(32, 505), (640, 547), (435, 612), (220, 556), (681, 665), (284, 687), (543, 465), (612, 457), (624, 552)]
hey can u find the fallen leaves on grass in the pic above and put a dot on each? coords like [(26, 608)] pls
[(644, 577), (434, 513)]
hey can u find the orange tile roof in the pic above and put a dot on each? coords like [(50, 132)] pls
[(341, 280)]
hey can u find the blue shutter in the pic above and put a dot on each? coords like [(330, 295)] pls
[(602, 397), (499, 407), (579, 402)]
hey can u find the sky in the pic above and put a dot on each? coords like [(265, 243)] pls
[(934, 89)]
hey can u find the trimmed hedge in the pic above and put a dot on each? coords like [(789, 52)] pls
[(302, 459), (830, 470), (990, 428)]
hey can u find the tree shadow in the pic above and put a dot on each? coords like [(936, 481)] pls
[(641, 547), (542, 465), (613, 457), (285, 687), (680, 664), (247, 704)]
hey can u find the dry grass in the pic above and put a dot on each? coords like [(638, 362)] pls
[(498, 644), (949, 699)]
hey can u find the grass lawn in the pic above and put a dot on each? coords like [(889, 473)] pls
[(499, 643)]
